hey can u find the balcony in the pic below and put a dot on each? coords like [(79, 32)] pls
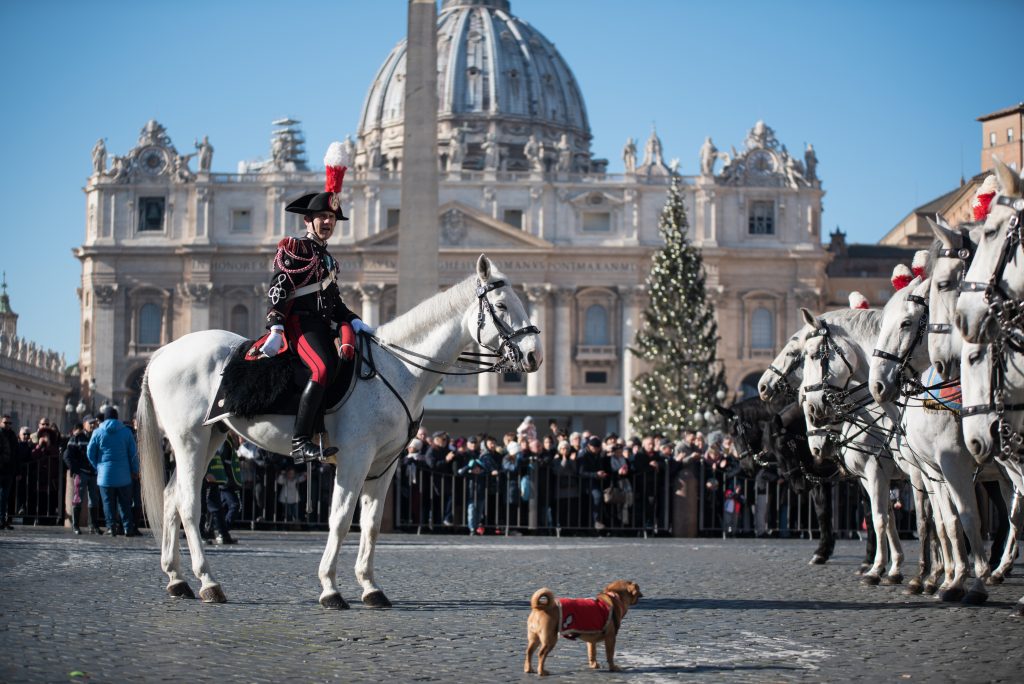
[(596, 353)]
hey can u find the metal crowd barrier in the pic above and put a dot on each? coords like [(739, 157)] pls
[(428, 501)]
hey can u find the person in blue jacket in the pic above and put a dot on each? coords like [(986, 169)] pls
[(113, 454)]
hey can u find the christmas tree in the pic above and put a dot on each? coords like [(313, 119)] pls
[(678, 336)]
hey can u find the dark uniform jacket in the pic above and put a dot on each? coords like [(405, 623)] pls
[(300, 262)]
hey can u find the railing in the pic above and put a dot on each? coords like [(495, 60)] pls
[(553, 502)]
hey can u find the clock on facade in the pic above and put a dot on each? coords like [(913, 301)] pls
[(761, 162), (152, 160)]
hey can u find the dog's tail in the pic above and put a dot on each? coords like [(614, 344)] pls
[(543, 599)]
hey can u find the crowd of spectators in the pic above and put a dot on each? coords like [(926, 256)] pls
[(577, 480)]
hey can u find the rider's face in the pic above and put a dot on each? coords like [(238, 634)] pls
[(322, 224)]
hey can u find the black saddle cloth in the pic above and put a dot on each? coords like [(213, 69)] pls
[(273, 386)]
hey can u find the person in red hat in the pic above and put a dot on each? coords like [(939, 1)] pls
[(306, 305)]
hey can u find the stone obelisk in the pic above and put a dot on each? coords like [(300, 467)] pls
[(419, 233)]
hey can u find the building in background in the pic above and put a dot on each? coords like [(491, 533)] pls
[(34, 382), (173, 247)]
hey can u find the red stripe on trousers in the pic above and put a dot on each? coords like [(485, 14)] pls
[(306, 353)]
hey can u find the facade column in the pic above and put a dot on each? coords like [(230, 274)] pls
[(104, 302), (563, 340), (630, 296), (198, 297), (536, 383), (371, 303)]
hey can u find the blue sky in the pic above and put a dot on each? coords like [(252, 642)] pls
[(887, 92)]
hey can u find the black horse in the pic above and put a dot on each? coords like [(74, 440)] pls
[(778, 439)]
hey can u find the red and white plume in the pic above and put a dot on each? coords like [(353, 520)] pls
[(901, 276), (920, 263), (983, 198), (336, 160), (858, 301)]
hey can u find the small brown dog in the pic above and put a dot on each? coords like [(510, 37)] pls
[(591, 620)]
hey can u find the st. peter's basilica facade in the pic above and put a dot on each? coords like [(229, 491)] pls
[(171, 249)]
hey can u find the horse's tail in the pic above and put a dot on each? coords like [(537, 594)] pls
[(151, 457)]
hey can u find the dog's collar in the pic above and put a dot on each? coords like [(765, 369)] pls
[(614, 601)]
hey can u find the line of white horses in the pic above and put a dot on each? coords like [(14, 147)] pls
[(963, 317)]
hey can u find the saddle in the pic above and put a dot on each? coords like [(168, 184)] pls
[(252, 384)]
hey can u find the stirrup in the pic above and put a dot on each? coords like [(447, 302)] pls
[(305, 450)]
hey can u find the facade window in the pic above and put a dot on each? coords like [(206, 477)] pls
[(597, 222), (512, 377), (762, 218), (392, 218), (595, 325), (762, 334), (514, 217), (992, 139), (240, 320), (149, 325), (748, 387), (241, 221), (151, 213), (1009, 135), (596, 377)]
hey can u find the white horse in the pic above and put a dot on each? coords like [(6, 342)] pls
[(951, 255), (835, 368), (369, 429), (784, 376), (935, 439)]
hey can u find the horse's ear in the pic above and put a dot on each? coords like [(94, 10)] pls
[(1009, 182), (483, 268), (724, 412), (808, 317), (942, 231)]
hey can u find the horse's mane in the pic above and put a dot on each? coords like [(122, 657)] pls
[(422, 318), (857, 322)]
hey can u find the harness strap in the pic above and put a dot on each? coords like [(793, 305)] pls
[(306, 289)]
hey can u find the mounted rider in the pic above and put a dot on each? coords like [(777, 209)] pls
[(305, 302)]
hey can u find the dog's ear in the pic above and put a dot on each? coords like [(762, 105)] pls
[(634, 591)]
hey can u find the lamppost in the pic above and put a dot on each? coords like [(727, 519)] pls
[(69, 412), (92, 396)]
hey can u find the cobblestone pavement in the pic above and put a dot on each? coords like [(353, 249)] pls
[(94, 609)]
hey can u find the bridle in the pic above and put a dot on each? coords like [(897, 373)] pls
[(505, 357), (965, 253), (833, 395), (910, 382), (509, 354), (1008, 314), (786, 387)]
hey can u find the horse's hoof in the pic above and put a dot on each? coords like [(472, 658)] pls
[(180, 590), (376, 599), (213, 594), (915, 586), (818, 559), (892, 580), (1018, 612), (870, 580), (974, 598), (930, 587), (864, 567), (993, 579), (951, 595), (333, 602)]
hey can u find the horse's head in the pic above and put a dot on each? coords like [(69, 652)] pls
[(783, 374), (746, 436), (979, 424), (950, 258), (997, 272), (499, 321), (904, 320), (829, 364)]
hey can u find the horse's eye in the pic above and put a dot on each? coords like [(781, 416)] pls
[(974, 358), (944, 286), (905, 324), (500, 306)]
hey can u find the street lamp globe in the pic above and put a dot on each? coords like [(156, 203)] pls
[(81, 408), (709, 416), (720, 395)]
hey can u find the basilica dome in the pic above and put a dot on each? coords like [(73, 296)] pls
[(499, 81)]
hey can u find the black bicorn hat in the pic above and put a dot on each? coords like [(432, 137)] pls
[(315, 202), (336, 162)]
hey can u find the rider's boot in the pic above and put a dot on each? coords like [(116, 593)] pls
[(303, 448), (76, 511)]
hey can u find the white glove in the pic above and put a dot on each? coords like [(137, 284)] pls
[(274, 341), (359, 327)]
